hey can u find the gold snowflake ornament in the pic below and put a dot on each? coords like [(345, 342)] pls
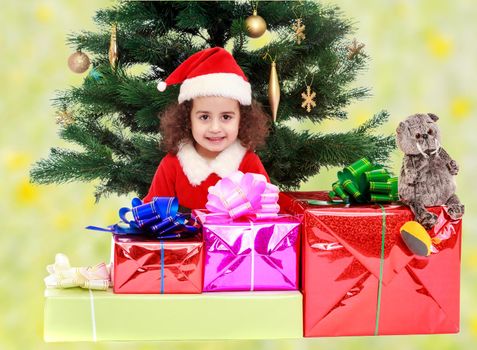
[(299, 29), (354, 49), (63, 117), (308, 99)]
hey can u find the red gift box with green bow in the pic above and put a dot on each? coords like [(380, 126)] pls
[(358, 276)]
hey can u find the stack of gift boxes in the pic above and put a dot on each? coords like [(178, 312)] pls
[(317, 268)]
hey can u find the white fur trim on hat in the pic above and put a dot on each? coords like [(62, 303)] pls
[(161, 86), (197, 169), (217, 84)]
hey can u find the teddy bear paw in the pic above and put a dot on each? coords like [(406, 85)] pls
[(428, 220), (453, 168), (455, 211)]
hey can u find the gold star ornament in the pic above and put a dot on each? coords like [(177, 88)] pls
[(354, 49), (308, 99)]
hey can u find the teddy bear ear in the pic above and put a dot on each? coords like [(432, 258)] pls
[(400, 127), (433, 116)]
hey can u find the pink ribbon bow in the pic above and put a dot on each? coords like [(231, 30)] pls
[(242, 194)]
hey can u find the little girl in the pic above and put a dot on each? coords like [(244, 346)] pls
[(211, 132)]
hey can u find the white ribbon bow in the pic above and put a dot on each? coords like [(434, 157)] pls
[(62, 275)]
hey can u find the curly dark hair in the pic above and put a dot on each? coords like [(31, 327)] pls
[(176, 126)]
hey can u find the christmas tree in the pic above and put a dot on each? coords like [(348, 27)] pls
[(114, 115)]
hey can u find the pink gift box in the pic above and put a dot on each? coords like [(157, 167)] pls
[(250, 254)]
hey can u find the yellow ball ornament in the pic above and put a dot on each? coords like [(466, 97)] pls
[(79, 62), (416, 238), (256, 25)]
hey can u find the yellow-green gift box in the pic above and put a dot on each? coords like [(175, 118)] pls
[(82, 315)]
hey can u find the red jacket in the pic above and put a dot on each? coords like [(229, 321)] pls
[(188, 176)]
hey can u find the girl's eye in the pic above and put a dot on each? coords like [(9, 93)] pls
[(227, 117), (204, 117), (418, 136), (430, 132)]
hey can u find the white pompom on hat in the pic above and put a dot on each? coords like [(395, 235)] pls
[(210, 72)]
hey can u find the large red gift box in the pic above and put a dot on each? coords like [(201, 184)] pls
[(149, 266), (355, 282)]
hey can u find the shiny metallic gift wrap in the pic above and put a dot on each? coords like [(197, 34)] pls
[(251, 254), (143, 265), (359, 278)]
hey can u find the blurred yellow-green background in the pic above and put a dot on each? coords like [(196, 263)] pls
[(424, 59)]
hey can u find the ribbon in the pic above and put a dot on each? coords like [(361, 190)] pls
[(364, 182), (381, 270), (93, 316), (162, 267), (253, 238), (159, 218), (242, 194), (62, 275)]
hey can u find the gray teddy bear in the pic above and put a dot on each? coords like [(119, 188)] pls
[(427, 170)]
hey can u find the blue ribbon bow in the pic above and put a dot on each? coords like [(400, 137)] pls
[(159, 218)]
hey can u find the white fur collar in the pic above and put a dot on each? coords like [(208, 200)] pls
[(197, 169)]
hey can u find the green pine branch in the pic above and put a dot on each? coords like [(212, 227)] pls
[(308, 152)]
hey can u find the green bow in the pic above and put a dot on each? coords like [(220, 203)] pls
[(364, 182)]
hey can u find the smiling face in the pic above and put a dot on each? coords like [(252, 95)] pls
[(215, 124)]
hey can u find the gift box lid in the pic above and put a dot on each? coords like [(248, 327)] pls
[(273, 231), (297, 202), (145, 240), (201, 215)]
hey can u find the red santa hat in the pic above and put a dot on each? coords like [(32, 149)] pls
[(210, 72)]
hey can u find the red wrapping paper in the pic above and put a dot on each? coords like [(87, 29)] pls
[(145, 266), (341, 269)]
